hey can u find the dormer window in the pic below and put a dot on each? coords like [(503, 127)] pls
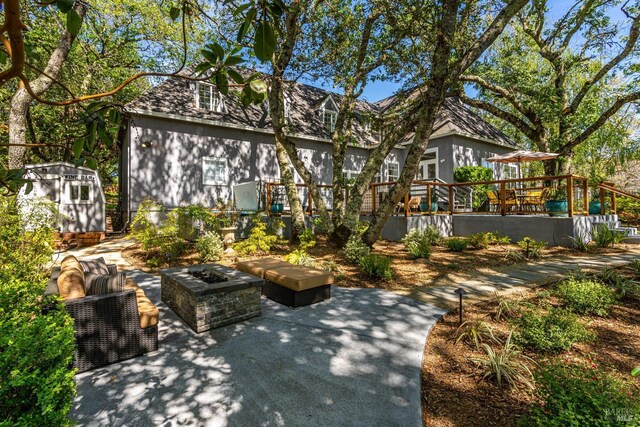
[(208, 98), (329, 120), (267, 108)]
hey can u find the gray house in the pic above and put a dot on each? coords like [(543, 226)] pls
[(183, 142)]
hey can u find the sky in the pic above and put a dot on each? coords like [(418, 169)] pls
[(378, 90)]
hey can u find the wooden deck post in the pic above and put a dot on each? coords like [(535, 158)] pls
[(570, 195), (585, 189), (451, 201), (309, 202), (614, 207), (602, 201), (428, 200), (406, 204), (503, 199), (268, 199)]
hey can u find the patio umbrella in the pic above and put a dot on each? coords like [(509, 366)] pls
[(522, 156)]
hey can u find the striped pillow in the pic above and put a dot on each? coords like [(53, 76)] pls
[(101, 284), (95, 266)]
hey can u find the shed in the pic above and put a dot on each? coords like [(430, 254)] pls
[(76, 191)]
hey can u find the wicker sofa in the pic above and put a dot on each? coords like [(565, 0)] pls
[(117, 324)]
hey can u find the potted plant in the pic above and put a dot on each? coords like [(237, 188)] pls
[(227, 223), (594, 204), (434, 203), (277, 201), (557, 204)]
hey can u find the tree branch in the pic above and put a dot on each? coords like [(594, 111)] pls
[(505, 93), (621, 102), (634, 32), (508, 117)]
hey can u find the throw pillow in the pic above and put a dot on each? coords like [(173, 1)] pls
[(70, 262), (71, 284), (102, 284), (95, 266)]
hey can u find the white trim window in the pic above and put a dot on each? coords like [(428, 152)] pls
[(214, 171), (329, 118), (350, 176), (79, 193), (393, 171), (509, 171), (208, 98)]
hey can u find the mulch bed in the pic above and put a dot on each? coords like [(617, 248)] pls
[(453, 395)]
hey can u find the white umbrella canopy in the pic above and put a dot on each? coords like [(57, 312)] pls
[(522, 156)]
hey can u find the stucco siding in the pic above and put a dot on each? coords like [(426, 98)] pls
[(469, 152)]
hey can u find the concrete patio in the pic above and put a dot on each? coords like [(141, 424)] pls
[(353, 360)]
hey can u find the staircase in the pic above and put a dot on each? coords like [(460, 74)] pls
[(612, 221)]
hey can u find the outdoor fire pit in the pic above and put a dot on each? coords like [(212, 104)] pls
[(208, 296)]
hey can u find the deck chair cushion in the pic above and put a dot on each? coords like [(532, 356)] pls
[(71, 283), (70, 262), (147, 312), (298, 277), (102, 284)]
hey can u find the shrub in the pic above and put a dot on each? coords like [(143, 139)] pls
[(480, 240), (419, 242), (158, 236), (376, 266), (603, 236), (355, 249), (553, 332), (300, 257), (258, 241), (585, 296), (506, 364), (531, 249), (307, 239), (36, 332), (210, 246), (457, 244), (506, 307), (635, 266), (475, 332), (579, 395), (579, 243)]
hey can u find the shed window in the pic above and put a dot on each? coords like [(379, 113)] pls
[(214, 171), (208, 98), (80, 193)]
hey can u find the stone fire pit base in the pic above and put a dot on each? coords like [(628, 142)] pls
[(235, 296)]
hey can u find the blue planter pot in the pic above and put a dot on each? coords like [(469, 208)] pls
[(594, 208), (557, 208), (424, 207), (277, 208)]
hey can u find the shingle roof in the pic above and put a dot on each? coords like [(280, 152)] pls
[(176, 96)]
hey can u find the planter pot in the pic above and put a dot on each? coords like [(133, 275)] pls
[(228, 235), (277, 208), (557, 208), (424, 207), (594, 208)]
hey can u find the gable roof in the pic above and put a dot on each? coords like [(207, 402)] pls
[(176, 97)]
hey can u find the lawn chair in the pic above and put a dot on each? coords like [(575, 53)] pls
[(534, 200), (494, 200)]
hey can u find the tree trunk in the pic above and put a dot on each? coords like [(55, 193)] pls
[(21, 99)]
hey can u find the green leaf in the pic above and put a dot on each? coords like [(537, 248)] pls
[(242, 8), (104, 135), (3, 57), (636, 372), (77, 148), (174, 13), (265, 41), (203, 66), (92, 164), (235, 76), (223, 84), (217, 49), (64, 6), (258, 86), (74, 22), (115, 116), (209, 56), (233, 60), (246, 96)]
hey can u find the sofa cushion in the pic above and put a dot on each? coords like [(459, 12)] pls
[(258, 267), (147, 312), (71, 283), (70, 262), (101, 284), (298, 277), (96, 266)]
